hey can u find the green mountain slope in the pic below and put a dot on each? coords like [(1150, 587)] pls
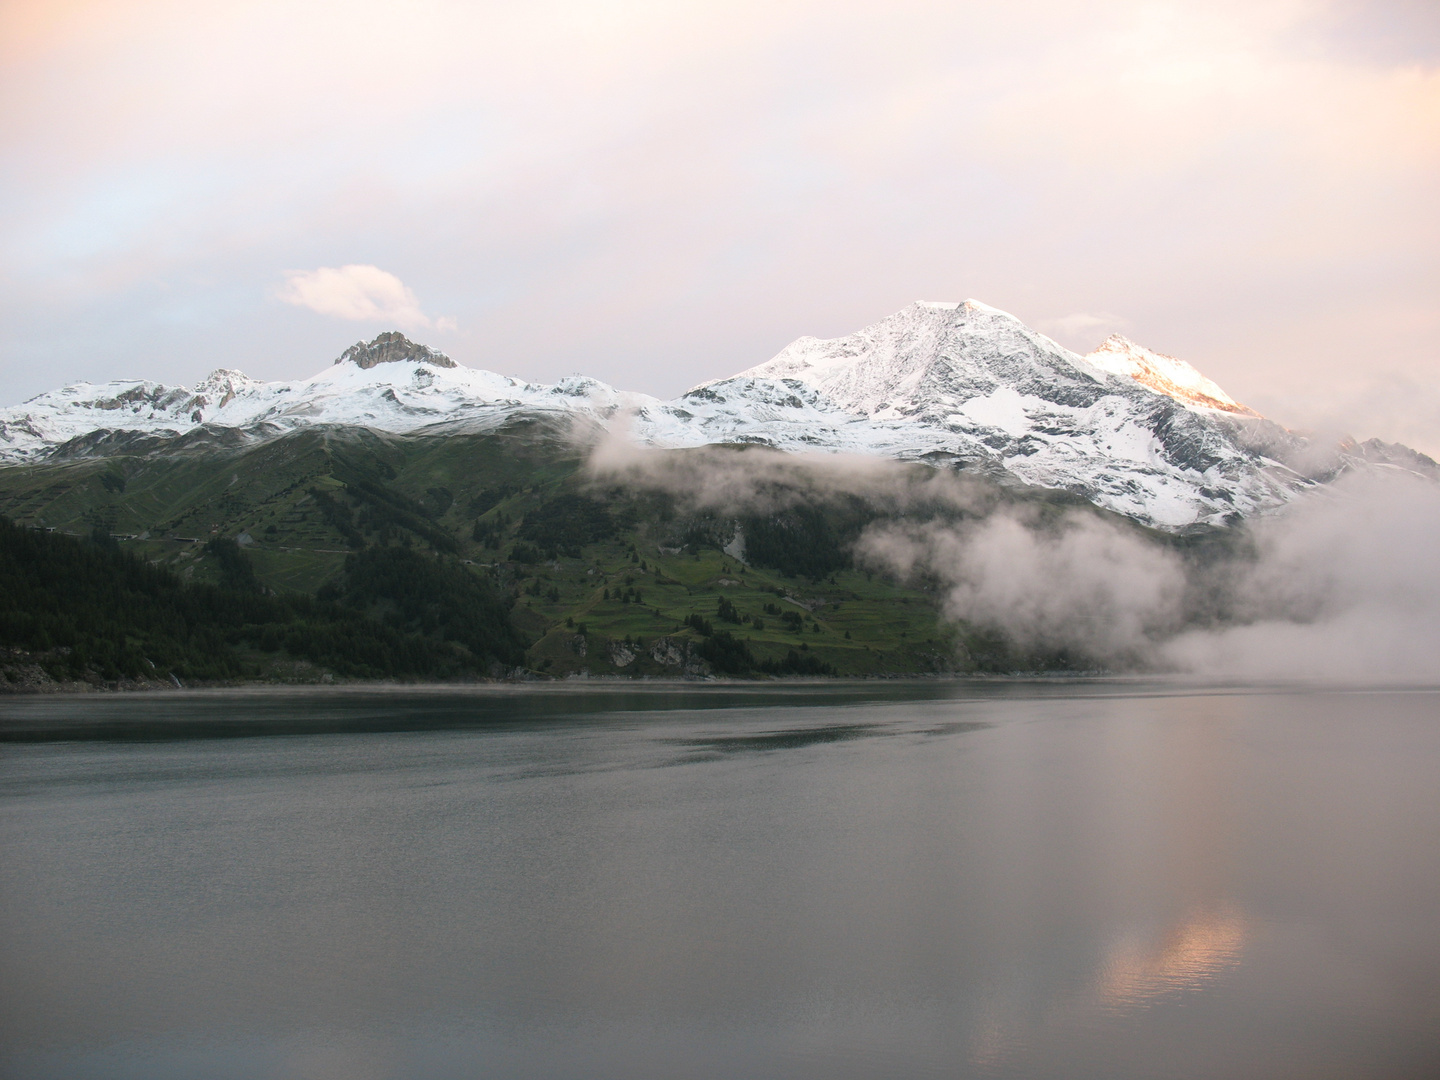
[(599, 579)]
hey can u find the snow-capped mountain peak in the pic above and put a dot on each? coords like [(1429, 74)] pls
[(928, 356), (1163, 374), (390, 384), (960, 385), (221, 387), (969, 386)]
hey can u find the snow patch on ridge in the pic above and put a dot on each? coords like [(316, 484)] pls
[(1003, 409)]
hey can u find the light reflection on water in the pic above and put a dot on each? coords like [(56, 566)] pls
[(1187, 956), (1104, 880)]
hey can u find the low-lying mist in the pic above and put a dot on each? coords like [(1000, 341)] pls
[(738, 480), (1341, 585), (1079, 584)]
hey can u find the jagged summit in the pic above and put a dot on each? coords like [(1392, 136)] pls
[(390, 348), (1163, 374)]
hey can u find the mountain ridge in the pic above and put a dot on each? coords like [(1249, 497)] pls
[(960, 385)]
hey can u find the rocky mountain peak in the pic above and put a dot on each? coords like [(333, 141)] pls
[(393, 347)]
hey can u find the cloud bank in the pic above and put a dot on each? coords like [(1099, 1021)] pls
[(1080, 584), (1343, 585), (736, 480)]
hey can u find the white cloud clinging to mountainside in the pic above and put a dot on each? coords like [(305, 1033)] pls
[(1340, 586)]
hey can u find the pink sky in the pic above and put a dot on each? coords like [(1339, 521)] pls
[(661, 193)]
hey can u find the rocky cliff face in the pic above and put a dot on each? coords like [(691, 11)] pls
[(392, 348)]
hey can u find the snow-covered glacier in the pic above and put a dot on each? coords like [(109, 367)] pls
[(955, 385)]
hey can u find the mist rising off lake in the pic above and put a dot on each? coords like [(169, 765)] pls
[(1027, 880)]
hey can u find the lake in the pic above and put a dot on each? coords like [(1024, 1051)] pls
[(951, 879)]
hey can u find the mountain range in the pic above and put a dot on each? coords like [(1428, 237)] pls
[(953, 385)]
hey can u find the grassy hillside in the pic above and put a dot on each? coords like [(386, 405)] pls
[(602, 580)]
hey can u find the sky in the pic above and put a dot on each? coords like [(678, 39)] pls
[(656, 194)]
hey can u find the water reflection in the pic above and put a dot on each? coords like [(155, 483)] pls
[(1195, 806), (791, 739), (268, 711), (1185, 957), (1143, 835)]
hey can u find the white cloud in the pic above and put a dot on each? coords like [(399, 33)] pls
[(1080, 584), (358, 292)]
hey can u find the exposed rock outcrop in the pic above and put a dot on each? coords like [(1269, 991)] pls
[(391, 348)]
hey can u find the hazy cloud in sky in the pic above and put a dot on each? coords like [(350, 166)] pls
[(1083, 329), (657, 194)]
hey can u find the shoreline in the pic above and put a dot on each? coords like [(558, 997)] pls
[(516, 686), (386, 708), (126, 687)]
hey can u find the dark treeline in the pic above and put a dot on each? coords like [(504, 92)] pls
[(565, 524), (383, 514), (812, 539), (432, 598), (730, 655), (383, 508), (803, 541), (85, 609)]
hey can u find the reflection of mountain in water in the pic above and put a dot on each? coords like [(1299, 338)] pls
[(1209, 938), (1154, 828)]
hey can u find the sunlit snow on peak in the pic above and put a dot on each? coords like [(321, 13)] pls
[(1163, 374)]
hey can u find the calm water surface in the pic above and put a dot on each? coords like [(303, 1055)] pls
[(912, 880)]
